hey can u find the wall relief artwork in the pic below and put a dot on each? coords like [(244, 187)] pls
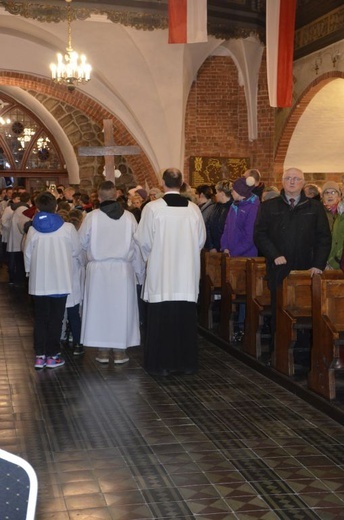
[(210, 170)]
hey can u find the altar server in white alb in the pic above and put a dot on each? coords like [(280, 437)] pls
[(49, 249), (171, 234), (110, 318)]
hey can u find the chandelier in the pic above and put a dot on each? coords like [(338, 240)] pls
[(70, 69)]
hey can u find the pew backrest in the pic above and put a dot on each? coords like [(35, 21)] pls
[(332, 297), (234, 274), (257, 284), (211, 268), (296, 293), (328, 332), (237, 276)]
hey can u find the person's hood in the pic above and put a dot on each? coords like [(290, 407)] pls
[(16, 205), (253, 199), (112, 209), (47, 222)]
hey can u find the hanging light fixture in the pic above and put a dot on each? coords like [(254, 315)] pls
[(70, 68)]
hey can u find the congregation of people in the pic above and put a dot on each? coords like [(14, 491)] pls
[(110, 266)]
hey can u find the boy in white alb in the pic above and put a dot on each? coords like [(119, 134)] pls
[(49, 249), (110, 317)]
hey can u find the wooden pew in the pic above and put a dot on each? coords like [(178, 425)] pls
[(293, 312), (210, 286), (328, 332), (233, 292), (258, 305)]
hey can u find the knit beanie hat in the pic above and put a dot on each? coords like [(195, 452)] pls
[(331, 185), (142, 193), (244, 186)]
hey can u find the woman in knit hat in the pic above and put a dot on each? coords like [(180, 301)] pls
[(237, 237), (331, 196)]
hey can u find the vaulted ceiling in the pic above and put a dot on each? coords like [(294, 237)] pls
[(226, 18)]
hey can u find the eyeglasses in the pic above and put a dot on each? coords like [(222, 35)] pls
[(292, 179), (331, 192)]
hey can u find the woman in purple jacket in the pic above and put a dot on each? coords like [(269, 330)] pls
[(237, 237)]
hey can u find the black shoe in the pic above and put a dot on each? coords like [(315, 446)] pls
[(78, 350), (159, 373)]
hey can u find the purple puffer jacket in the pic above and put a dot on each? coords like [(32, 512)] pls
[(237, 235)]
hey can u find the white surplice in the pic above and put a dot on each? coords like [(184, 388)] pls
[(170, 239), (48, 260), (110, 317)]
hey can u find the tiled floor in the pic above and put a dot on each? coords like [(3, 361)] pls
[(114, 443)]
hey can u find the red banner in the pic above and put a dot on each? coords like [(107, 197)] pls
[(187, 21), (280, 32)]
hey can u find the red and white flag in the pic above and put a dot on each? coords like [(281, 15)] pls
[(280, 32), (187, 21)]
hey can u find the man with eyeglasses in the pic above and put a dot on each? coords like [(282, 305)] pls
[(292, 232)]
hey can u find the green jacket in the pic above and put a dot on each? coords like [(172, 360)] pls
[(337, 242)]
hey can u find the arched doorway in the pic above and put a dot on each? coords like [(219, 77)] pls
[(317, 141), (312, 135), (29, 154)]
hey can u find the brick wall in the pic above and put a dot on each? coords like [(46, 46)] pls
[(216, 117)]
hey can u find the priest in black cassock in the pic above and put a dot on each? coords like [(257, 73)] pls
[(171, 234)]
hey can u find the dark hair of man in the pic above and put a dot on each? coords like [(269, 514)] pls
[(172, 178), (206, 190), (107, 191), (46, 201), (25, 197), (85, 198)]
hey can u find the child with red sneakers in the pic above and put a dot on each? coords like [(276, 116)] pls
[(49, 248)]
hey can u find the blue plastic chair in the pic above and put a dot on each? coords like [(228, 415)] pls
[(18, 488)]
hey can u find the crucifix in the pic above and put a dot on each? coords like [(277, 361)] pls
[(109, 151)]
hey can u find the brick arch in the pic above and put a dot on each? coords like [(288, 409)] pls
[(140, 164), (296, 112)]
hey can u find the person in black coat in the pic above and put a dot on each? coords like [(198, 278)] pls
[(216, 222), (292, 235), (292, 232)]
